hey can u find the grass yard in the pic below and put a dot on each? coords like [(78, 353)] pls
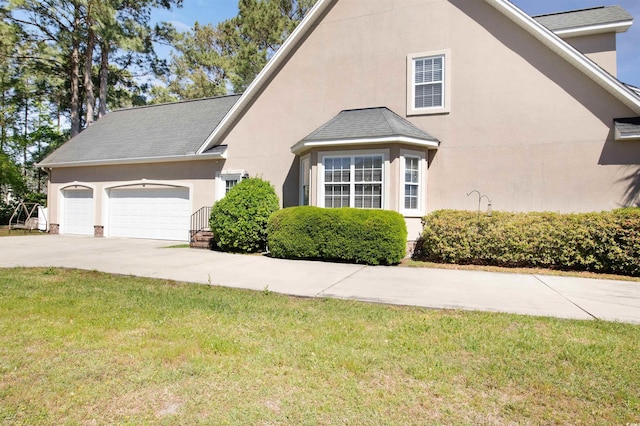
[(81, 347), (5, 232)]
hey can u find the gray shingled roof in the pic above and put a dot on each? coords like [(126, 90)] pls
[(165, 130), (584, 17), (628, 127), (367, 123)]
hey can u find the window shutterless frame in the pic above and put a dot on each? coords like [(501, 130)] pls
[(413, 166), (226, 180), (353, 179), (305, 181), (429, 82)]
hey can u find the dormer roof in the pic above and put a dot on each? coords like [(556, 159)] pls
[(595, 20)]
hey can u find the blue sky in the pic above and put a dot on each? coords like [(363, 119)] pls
[(213, 11)]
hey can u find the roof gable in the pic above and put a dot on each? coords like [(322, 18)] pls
[(145, 133), (621, 92)]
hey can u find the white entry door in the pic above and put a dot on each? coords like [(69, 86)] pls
[(154, 213), (78, 216)]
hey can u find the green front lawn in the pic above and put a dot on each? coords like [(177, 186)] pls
[(85, 347)]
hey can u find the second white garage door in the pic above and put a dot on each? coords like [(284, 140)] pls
[(155, 213)]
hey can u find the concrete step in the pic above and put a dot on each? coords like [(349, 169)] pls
[(201, 239), (199, 245)]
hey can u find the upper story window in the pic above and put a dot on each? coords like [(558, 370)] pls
[(428, 78), (428, 83)]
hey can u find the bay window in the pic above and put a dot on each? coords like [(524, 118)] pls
[(411, 186), (353, 181)]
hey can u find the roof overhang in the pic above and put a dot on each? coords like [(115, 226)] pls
[(618, 27), (569, 53), (303, 145), (627, 129), (220, 154), (627, 137)]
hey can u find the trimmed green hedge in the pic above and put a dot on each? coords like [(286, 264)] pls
[(239, 220), (607, 242), (354, 235)]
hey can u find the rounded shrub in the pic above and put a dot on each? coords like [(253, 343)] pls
[(353, 235), (239, 220), (606, 242)]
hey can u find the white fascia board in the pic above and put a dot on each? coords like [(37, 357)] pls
[(635, 137), (618, 27), (570, 54), (628, 137), (145, 160), (256, 85), (305, 145)]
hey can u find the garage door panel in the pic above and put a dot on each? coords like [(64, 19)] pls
[(158, 213), (78, 214)]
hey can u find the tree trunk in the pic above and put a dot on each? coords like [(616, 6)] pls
[(104, 74), (75, 73), (3, 131), (26, 137), (88, 81)]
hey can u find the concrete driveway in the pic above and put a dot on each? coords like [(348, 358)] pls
[(527, 294)]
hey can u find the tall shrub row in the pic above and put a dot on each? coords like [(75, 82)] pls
[(607, 242), (346, 234)]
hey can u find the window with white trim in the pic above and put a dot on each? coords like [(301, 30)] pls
[(428, 80), (411, 182), (305, 181), (354, 181), (411, 164), (226, 180), (228, 184), (428, 83)]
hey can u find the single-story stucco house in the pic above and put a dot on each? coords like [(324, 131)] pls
[(405, 105)]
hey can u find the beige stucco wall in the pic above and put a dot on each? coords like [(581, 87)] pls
[(525, 127), (198, 176), (600, 48)]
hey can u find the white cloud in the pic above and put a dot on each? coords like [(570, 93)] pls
[(181, 26)]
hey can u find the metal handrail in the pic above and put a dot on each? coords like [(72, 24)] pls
[(199, 221)]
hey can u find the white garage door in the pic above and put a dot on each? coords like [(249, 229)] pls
[(78, 212), (156, 213)]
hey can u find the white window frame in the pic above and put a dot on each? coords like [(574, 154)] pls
[(305, 172), (340, 154), (223, 177), (422, 167), (446, 84)]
